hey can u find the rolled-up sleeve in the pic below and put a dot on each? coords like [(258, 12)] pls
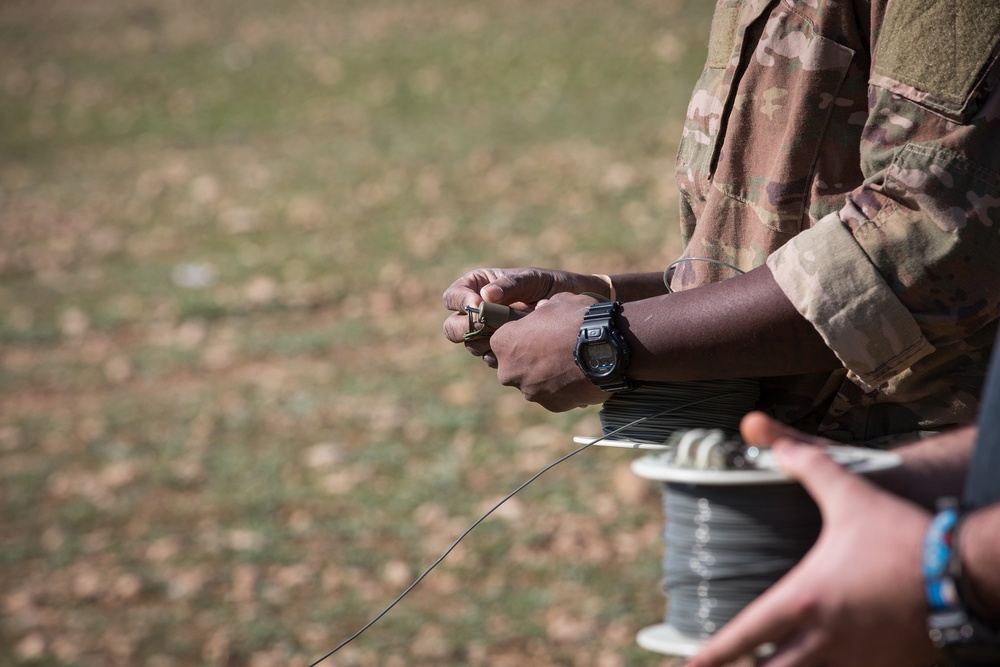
[(910, 264), (833, 284), (911, 261)]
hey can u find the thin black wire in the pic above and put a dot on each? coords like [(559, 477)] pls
[(731, 400), (668, 273), (493, 509)]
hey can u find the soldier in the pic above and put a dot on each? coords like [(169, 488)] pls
[(843, 157)]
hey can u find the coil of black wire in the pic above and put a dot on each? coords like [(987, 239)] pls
[(673, 406), (728, 544)]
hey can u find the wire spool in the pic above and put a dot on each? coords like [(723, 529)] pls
[(730, 533), (735, 523)]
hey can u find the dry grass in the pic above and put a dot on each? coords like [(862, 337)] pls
[(230, 430)]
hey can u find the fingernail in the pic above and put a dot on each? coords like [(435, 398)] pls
[(491, 293)]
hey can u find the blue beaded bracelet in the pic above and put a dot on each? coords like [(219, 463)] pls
[(951, 626), (939, 582)]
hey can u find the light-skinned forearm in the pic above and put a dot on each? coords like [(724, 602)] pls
[(980, 548), (933, 468)]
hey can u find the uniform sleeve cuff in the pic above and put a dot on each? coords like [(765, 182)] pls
[(832, 283)]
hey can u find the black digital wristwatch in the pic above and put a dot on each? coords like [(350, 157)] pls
[(601, 350)]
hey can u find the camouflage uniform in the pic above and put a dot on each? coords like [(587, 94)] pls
[(854, 147)]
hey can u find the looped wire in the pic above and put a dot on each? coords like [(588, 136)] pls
[(668, 273)]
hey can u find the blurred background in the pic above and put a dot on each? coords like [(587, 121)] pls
[(230, 428)]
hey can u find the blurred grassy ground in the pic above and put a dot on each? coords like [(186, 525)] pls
[(230, 430)]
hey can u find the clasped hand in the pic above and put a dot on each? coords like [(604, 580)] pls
[(535, 353)]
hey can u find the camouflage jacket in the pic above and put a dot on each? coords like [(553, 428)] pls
[(854, 147)]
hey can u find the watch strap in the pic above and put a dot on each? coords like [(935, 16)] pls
[(602, 310)]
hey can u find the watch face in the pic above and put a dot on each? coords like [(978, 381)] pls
[(599, 357)]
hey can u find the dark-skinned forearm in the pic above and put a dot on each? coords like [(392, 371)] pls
[(638, 286), (741, 327)]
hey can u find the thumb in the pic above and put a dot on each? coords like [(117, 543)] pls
[(527, 286), (493, 293), (825, 480), (508, 290), (761, 429)]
